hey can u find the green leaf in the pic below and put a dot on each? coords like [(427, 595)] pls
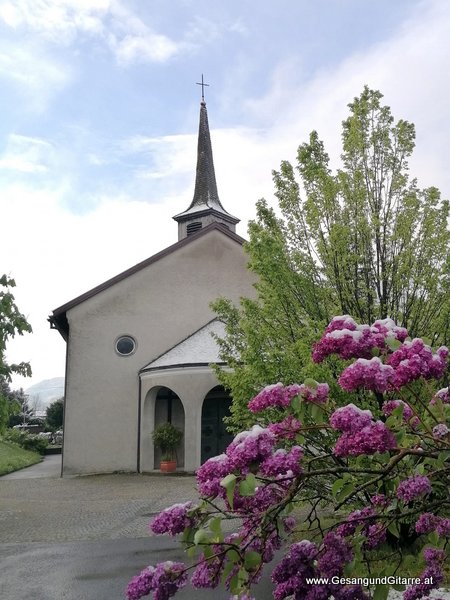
[(337, 485), (248, 485), (393, 344), (381, 592), (233, 555), (201, 536), (215, 525), (393, 528), (317, 413), (252, 560), (311, 383), (229, 483)]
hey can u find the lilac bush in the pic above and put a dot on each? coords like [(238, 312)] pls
[(382, 474)]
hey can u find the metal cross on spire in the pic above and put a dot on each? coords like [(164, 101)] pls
[(203, 88)]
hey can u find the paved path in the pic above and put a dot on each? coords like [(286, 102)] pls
[(84, 538), (50, 467)]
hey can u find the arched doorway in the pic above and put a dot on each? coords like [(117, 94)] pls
[(215, 437), (169, 409)]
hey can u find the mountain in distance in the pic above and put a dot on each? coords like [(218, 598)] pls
[(42, 394)]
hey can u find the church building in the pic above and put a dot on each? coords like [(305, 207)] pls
[(140, 345)]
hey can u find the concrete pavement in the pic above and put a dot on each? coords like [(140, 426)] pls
[(85, 538), (50, 467)]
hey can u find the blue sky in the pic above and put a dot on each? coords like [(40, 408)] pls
[(100, 114)]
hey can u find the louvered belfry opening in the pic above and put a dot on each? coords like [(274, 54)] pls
[(193, 227)]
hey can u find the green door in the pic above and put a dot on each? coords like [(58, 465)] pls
[(215, 437)]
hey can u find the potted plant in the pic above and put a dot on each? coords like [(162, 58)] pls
[(167, 438)]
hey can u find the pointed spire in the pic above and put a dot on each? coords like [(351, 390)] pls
[(205, 192), (205, 206)]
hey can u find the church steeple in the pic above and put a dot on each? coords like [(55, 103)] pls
[(205, 207)]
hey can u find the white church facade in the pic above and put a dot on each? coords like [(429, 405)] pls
[(140, 345)]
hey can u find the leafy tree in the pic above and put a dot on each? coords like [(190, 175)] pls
[(15, 405), (12, 323), (365, 241), (55, 414)]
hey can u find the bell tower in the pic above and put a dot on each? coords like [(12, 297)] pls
[(205, 207)]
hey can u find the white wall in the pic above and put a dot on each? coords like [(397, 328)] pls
[(159, 306)]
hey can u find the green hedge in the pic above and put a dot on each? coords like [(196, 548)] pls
[(27, 441)]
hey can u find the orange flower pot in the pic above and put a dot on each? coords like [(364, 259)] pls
[(168, 466)]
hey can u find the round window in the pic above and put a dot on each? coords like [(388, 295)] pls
[(125, 345)]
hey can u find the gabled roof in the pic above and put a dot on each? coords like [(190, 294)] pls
[(200, 348), (206, 197), (58, 318)]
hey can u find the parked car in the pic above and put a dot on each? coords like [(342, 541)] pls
[(58, 437)]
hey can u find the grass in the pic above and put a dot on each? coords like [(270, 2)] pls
[(13, 458)]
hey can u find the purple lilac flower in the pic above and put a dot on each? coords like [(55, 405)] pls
[(345, 337), (265, 496), (389, 329), (389, 407), (207, 573), (336, 553), (443, 395), (361, 434), (341, 322), (443, 528), (376, 535), (367, 374), (440, 430), (415, 359), (434, 558), (373, 438), (380, 500), (169, 577), (350, 418), (287, 428), (355, 519), (283, 462), (172, 520), (141, 585), (289, 524), (319, 394), (211, 473), (164, 581), (413, 487), (251, 446), (426, 523), (267, 545), (276, 395), (408, 415), (291, 572)]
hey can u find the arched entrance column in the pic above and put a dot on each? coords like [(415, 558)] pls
[(191, 385)]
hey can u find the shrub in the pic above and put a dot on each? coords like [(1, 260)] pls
[(167, 437), (27, 441), (385, 475)]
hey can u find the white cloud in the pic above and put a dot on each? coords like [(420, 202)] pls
[(26, 154), (407, 68), (61, 22), (34, 71), (146, 48)]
